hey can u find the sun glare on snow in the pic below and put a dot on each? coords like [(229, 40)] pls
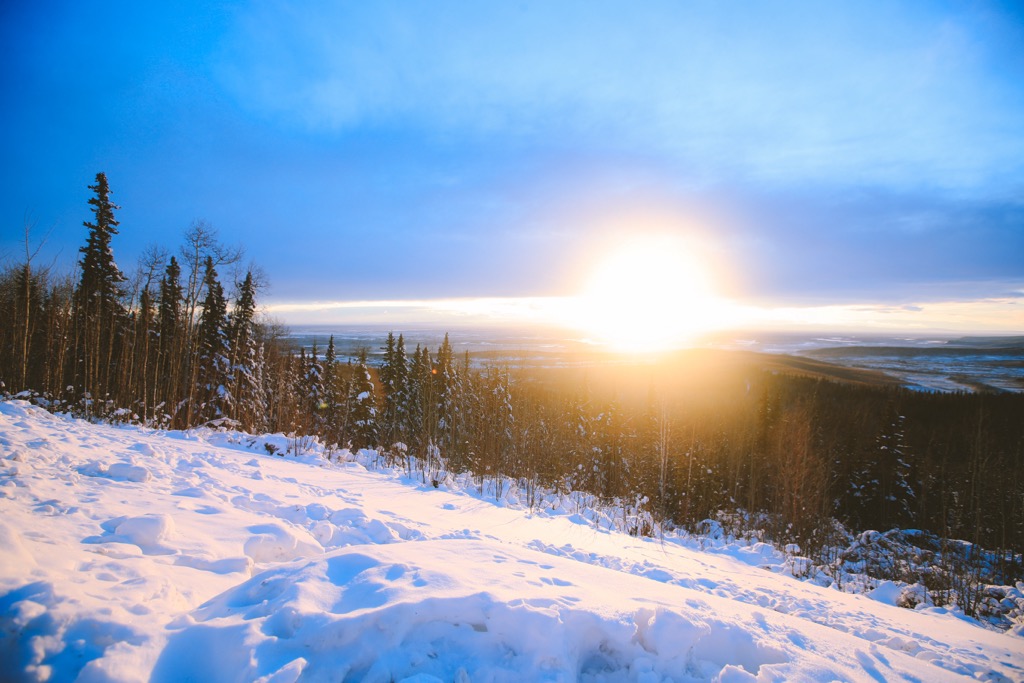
[(647, 294)]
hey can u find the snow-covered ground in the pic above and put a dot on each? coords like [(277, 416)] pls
[(130, 555)]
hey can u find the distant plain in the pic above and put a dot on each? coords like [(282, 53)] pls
[(925, 363)]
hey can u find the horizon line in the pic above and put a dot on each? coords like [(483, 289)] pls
[(998, 316)]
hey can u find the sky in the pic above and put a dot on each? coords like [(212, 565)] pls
[(863, 159)]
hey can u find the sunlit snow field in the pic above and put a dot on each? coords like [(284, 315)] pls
[(128, 555)]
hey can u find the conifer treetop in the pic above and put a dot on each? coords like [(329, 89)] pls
[(100, 274)]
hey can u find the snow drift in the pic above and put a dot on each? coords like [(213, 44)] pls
[(130, 555)]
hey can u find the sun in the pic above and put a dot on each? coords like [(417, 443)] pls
[(647, 294)]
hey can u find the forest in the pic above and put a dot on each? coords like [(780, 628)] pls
[(178, 343)]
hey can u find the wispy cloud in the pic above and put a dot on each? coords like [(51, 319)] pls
[(989, 315), (873, 94), (457, 311)]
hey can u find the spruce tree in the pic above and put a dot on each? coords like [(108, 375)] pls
[(448, 396), (243, 316), (364, 407), (389, 362), (315, 391), (497, 425), (400, 382), (145, 331), (244, 375), (100, 275), (394, 374), (212, 373), (98, 313), (258, 410), (885, 483), (169, 311), (420, 413), (330, 395), (171, 337)]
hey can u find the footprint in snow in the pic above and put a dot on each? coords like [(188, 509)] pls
[(551, 581)]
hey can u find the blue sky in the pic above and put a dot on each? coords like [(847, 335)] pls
[(845, 154)]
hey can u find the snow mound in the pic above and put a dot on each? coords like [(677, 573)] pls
[(887, 592), (275, 543), (126, 471), (118, 471), (148, 532), (380, 613)]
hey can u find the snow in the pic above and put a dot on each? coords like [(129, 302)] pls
[(128, 555)]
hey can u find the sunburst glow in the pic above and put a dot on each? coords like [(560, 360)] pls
[(648, 294)]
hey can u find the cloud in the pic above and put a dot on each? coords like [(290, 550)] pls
[(842, 244), (454, 311), (984, 315), (901, 94)]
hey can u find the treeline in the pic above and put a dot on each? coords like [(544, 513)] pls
[(782, 453), (165, 345), (779, 454)]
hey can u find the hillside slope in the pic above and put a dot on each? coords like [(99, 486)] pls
[(127, 555)]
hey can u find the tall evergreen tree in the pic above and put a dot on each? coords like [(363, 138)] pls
[(256, 409), (447, 394), (243, 315), (364, 406), (329, 412), (245, 385), (212, 372), (394, 377), (100, 274), (302, 419), (315, 391), (99, 314), (171, 361), (498, 423), (385, 372), (884, 482), (144, 353), (421, 408)]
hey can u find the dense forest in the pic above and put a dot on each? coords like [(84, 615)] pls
[(169, 345)]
